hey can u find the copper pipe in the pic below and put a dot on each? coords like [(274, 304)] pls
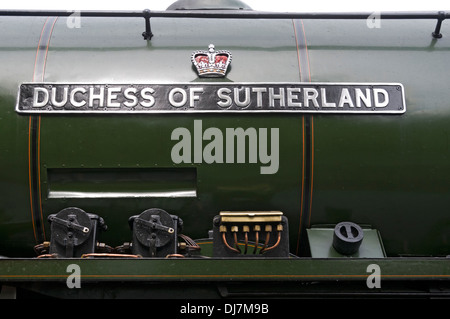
[(275, 245), (266, 242), (174, 256), (246, 242), (236, 242), (48, 256), (191, 244), (42, 248), (256, 242), (110, 255), (226, 244)]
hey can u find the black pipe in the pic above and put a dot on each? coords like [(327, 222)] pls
[(234, 14), (437, 31), (229, 14)]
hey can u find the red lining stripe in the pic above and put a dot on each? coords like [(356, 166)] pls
[(307, 128), (34, 130)]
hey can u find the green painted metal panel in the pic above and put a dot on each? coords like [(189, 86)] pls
[(118, 144), (388, 171), (320, 240), (150, 270), (20, 39)]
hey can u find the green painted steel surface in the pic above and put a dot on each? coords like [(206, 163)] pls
[(120, 143), (308, 269), (320, 240), (389, 171), (17, 56), (221, 278)]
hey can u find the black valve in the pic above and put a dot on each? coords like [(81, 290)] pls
[(74, 232), (347, 238), (155, 233)]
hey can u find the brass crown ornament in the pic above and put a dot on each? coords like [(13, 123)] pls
[(211, 63)]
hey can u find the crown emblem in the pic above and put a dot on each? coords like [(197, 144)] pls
[(211, 63)]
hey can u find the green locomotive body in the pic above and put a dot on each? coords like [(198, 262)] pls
[(315, 122)]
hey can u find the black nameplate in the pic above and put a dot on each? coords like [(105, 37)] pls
[(374, 98)]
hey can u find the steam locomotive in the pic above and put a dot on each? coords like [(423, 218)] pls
[(223, 151)]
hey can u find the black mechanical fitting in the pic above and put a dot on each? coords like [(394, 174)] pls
[(74, 232), (250, 234), (155, 233), (347, 238)]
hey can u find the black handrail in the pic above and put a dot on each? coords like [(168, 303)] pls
[(237, 14)]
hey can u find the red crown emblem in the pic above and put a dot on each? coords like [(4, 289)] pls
[(211, 63)]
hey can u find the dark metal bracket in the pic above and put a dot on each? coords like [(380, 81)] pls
[(147, 34), (246, 14), (437, 31)]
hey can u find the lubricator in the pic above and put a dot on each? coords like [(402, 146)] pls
[(250, 234)]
